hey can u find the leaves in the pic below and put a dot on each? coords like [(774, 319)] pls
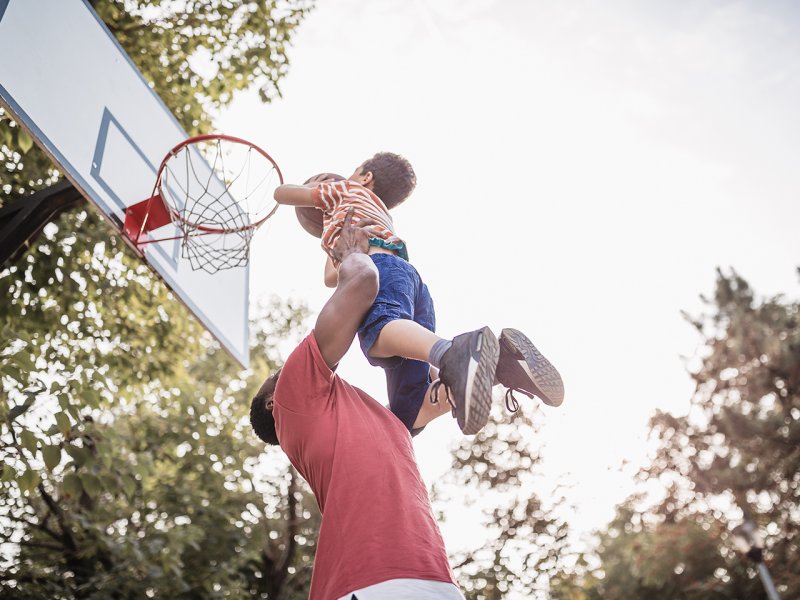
[(51, 456), (91, 484), (81, 456), (526, 543), (21, 409), (24, 141), (734, 453), (27, 480), (158, 482), (63, 423), (29, 441), (128, 485), (71, 485)]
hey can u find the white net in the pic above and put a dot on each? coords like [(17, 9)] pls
[(218, 191)]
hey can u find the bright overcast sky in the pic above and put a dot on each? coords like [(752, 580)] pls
[(583, 168)]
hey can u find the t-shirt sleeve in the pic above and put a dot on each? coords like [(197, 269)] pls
[(327, 196), (306, 381)]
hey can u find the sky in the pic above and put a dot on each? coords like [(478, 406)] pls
[(583, 168)]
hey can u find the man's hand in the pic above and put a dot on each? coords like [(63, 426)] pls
[(354, 238)]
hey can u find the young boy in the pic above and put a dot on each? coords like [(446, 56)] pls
[(398, 332)]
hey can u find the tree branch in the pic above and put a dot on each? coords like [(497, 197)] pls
[(40, 526), (67, 538), (292, 526), (41, 545)]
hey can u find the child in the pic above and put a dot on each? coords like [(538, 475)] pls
[(398, 332)]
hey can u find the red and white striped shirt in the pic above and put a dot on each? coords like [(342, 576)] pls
[(336, 198)]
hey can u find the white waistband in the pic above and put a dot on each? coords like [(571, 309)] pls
[(407, 589)]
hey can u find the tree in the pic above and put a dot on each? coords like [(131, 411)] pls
[(527, 541), (128, 462), (128, 467), (734, 454), (645, 556)]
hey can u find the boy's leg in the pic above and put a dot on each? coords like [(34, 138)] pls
[(407, 386), (405, 338), (435, 405), (467, 363)]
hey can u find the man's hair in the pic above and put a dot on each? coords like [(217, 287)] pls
[(393, 177), (260, 416)]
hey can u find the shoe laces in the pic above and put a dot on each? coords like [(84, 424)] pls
[(511, 401), (435, 395)]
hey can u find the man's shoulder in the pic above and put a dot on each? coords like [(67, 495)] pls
[(304, 377), (307, 351)]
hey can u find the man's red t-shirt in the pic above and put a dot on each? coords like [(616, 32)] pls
[(377, 522)]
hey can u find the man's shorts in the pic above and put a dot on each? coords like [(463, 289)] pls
[(407, 589), (402, 295)]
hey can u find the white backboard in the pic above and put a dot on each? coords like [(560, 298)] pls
[(66, 80)]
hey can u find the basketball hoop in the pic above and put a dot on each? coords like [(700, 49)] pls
[(216, 190)]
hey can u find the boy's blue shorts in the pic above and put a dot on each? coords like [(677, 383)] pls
[(402, 295)]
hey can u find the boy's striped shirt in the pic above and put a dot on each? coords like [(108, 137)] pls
[(336, 198)]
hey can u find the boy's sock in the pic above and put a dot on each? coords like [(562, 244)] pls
[(437, 352)]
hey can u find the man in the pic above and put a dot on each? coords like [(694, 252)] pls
[(378, 539)]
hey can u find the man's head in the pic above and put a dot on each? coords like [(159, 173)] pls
[(389, 175), (261, 411)]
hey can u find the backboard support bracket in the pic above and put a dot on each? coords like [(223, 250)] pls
[(23, 219), (145, 216)]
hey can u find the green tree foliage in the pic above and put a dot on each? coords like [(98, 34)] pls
[(497, 471), (128, 462), (644, 555), (128, 467), (737, 452)]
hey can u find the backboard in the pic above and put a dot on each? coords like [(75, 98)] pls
[(66, 80)]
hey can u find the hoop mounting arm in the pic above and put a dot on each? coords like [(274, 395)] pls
[(145, 216)]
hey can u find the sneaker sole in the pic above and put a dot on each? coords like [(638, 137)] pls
[(479, 387), (545, 378)]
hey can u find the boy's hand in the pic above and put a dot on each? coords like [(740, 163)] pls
[(354, 238)]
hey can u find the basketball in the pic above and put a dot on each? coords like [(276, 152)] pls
[(311, 218)]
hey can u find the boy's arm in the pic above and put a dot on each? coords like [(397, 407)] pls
[(331, 274), (295, 195)]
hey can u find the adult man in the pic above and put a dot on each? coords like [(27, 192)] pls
[(378, 538)]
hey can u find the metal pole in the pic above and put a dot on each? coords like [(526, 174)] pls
[(772, 593)]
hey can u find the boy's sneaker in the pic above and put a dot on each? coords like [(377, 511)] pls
[(467, 372), (522, 368)]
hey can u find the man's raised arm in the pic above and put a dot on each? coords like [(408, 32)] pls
[(338, 321)]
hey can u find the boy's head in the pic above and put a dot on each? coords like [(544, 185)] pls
[(389, 175), (261, 411)]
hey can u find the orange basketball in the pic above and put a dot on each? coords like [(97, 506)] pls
[(311, 218)]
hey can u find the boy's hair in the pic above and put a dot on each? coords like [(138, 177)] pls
[(394, 178), (260, 416)]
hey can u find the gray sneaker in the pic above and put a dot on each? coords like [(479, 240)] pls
[(467, 372), (522, 368)]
